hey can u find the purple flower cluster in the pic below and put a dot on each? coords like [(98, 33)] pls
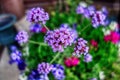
[(36, 28), (58, 72), (44, 68), (22, 37), (98, 18), (86, 11), (80, 9), (87, 58), (16, 56), (34, 75), (81, 47), (37, 15), (60, 38)]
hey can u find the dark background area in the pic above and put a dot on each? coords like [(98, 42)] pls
[(18, 7)]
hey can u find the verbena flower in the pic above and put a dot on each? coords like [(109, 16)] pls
[(80, 47), (58, 72), (34, 75), (60, 38), (98, 19), (37, 15), (16, 56), (44, 77), (104, 10), (21, 65), (36, 28), (44, 68), (80, 9), (22, 37), (87, 58), (89, 11)]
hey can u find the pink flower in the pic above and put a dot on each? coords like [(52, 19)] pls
[(67, 62), (94, 43), (75, 61), (71, 61), (107, 38), (115, 37)]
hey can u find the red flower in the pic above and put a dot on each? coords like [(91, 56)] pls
[(71, 61), (94, 43), (107, 38)]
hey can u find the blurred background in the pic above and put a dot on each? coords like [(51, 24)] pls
[(12, 19)]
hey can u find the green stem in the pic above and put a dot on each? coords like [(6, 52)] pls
[(45, 27), (56, 56), (85, 28), (38, 43)]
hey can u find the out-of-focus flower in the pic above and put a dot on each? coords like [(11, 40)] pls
[(36, 28), (21, 65), (43, 30), (60, 38), (98, 19), (22, 37), (16, 56), (93, 79), (104, 10), (44, 68), (44, 77), (87, 58), (113, 25), (58, 72), (107, 38), (94, 43), (83, 4), (80, 47), (101, 75), (89, 11), (68, 62), (37, 15), (22, 76), (80, 9), (71, 61), (34, 75)]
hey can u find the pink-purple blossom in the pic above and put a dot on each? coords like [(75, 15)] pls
[(37, 15), (22, 37), (60, 38), (98, 18), (88, 58), (44, 68), (36, 28), (58, 72), (81, 47)]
